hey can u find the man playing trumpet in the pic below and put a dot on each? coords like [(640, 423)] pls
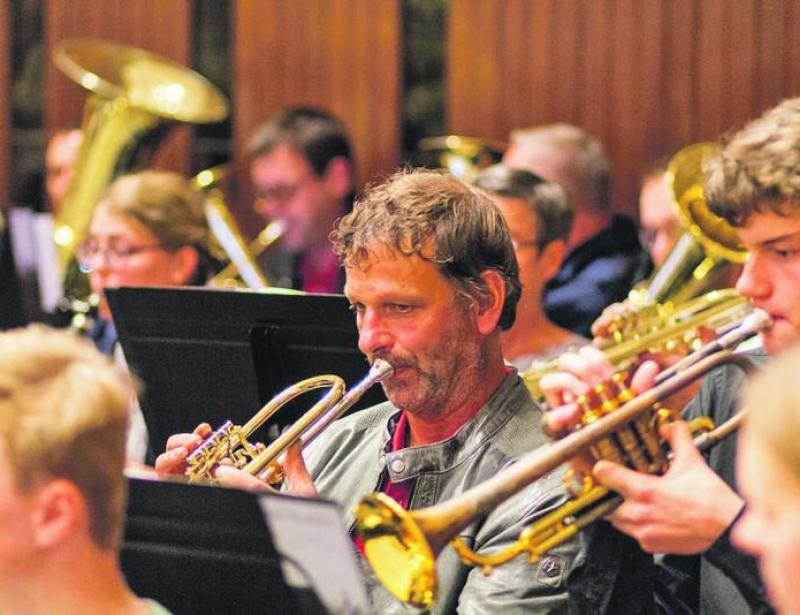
[(432, 281), (755, 185)]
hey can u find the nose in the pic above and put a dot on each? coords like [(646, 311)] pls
[(754, 281), (373, 336)]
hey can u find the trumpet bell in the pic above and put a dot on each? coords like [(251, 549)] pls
[(404, 561)]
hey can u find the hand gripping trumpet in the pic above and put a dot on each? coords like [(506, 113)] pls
[(230, 442), (402, 546)]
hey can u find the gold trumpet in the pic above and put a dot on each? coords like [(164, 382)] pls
[(661, 328), (230, 441), (402, 546)]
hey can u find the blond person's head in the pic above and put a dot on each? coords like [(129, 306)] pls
[(63, 416)]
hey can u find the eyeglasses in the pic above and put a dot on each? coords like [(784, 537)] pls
[(116, 255), (280, 192), (526, 244)]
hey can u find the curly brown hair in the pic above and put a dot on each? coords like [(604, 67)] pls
[(758, 168), (413, 207)]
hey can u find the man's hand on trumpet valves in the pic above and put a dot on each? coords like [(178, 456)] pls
[(297, 477), (685, 510)]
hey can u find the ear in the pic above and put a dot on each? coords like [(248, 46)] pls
[(338, 177), (551, 257), (488, 312), (184, 264), (60, 513)]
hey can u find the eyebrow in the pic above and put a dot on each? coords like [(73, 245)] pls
[(780, 239)]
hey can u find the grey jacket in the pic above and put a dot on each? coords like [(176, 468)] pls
[(350, 460)]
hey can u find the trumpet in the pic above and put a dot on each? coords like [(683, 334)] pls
[(664, 328), (230, 442), (402, 546)]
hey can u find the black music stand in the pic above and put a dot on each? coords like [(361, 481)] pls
[(208, 355), (201, 549)]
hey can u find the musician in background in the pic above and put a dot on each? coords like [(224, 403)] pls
[(539, 217), (302, 173), (660, 227), (768, 467), (149, 229), (432, 281), (60, 159), (754, 185), (604, 257), (63, 412)]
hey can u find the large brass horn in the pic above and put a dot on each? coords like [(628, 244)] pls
[(402, 546), (708, 243), (231, 441), (463, 157), (131, 92)]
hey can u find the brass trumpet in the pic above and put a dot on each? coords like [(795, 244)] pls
[(667, 328), (230, 441), (402, 546)]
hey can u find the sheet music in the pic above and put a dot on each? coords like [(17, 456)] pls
[(317, 551)]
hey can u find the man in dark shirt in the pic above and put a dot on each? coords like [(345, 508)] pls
[(605, 258), (301, 167)]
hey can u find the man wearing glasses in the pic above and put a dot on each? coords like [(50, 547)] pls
[(302, 173), (539, 217)]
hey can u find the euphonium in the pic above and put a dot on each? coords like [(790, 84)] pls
[(402, 546), (230, 441), (131, 92)]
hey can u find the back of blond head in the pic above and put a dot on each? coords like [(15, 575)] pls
[(63, 414)]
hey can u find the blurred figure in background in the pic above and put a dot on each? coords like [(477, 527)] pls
[(149, 229), (539, 216), (60, 158), (302, 173), (604, 257), (660, 227), (63, 412)]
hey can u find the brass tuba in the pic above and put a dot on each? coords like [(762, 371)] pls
[(132, 91), (463, 157), (402, 546)]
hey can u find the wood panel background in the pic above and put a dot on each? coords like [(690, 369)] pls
[(160, 27), (646, 76), (343, 55)]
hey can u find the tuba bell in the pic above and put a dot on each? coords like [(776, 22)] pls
[(132, 92)]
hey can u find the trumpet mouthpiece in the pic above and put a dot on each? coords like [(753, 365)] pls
[(380, 370)]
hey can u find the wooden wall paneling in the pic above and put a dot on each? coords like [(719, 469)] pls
[(343, 55), (774, 59), (5, 100), (646, 76), (792, 46), (160, 27)]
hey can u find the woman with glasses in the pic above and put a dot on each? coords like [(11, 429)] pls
[(149, 229)]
